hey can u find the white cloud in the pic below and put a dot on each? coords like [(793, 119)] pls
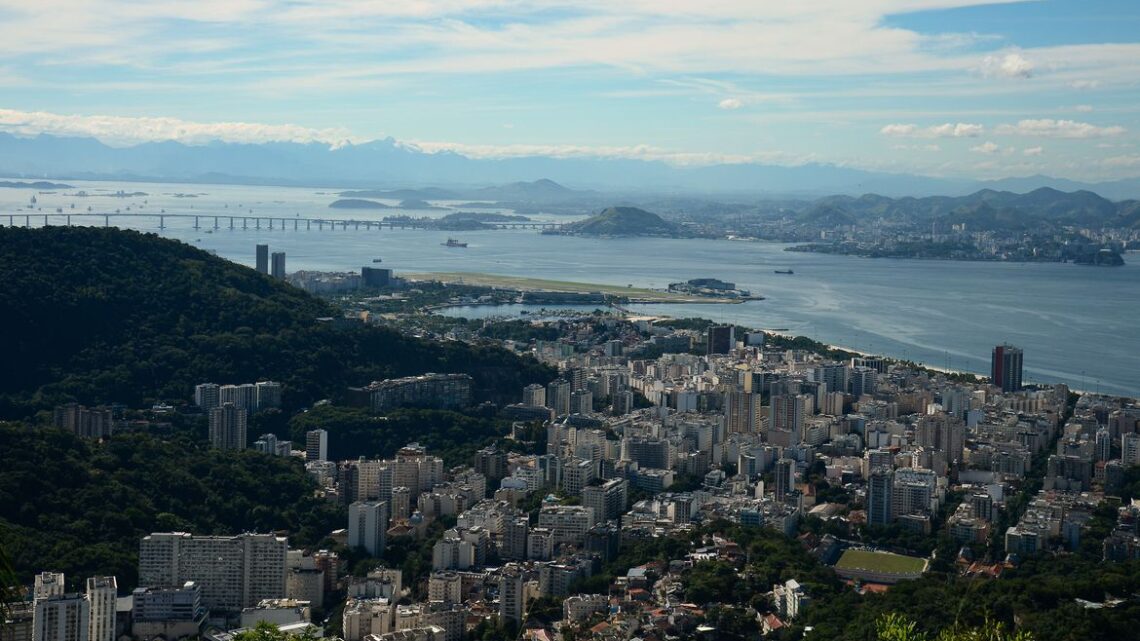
[(1033, 151), (1126, 162), (931, 148), (1084, 84), (1010, 65), (1084, 108), (1049, 128), (625, 152), (121, 130), (947, 130), (986, 148), (730, 103)]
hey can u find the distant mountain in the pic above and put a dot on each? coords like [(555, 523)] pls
[(387, 167), (421, 205), (624, 221), (8, 184), (542, 190), (986, 209), (826, 216), (357, 203), (429, 193)]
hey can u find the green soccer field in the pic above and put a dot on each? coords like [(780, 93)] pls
[(880, 562)]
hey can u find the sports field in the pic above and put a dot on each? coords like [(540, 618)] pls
[(880, 562)]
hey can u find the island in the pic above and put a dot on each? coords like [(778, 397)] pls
[(621, 221), (357, 203)]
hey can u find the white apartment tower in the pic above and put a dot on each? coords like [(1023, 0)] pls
[(61, 617), (102, 593), (234, 572), (368, 526)]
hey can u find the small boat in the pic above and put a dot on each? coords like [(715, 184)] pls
[(784, 271), (377, 260), (451, 242)]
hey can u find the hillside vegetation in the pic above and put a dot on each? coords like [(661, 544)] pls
[(80, 507), (624, 221), (102, 315)]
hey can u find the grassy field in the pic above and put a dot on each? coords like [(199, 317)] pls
[(880, 562), (636, 294)]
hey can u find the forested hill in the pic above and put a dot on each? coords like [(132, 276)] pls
[(80, 507), (103, 315)]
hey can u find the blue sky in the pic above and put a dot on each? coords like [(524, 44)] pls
[(943, 87)]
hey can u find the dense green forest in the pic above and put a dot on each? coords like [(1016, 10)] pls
[(355, 432), (79, 506), (107, 315)]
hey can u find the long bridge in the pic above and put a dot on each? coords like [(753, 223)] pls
[(233, 223)]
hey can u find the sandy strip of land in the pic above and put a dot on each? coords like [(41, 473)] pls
[(634, 294)]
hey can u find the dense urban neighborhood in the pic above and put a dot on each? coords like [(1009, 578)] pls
[(563, 476)]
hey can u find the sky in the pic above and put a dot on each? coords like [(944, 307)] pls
[(955, 88)]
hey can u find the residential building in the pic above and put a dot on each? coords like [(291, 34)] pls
[(368, 526), (227, 427), (317, 445), (278, 265), (608, 500), (102, 595), (171, 613), (233, 572), (62, 617), (263, 259), (1005, 368)]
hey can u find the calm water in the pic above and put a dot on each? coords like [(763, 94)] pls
[(1076, 324)]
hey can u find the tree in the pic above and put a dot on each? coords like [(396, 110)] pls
[(895, 627), (265, 631)]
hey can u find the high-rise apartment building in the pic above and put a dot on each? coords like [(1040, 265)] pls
[(558, 396), (608, 500), (534, 395), (443, 391), (879, 487), (368, 526), (263, 259), (278, 265), (785, 478), (207, 396), (721, 339), (581, 402), (511, 595), (88, 422), (102, 595), (227, 427), (61, 617), (234, 572), (788, 413), (317, 445), (1130, 448), (491, 462), (243, 396), (48, 584), (1005, 368), (268, 394), (862, 381), (515, 531)]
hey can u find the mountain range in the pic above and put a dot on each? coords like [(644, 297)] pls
[(985, 209), (389, 164)]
